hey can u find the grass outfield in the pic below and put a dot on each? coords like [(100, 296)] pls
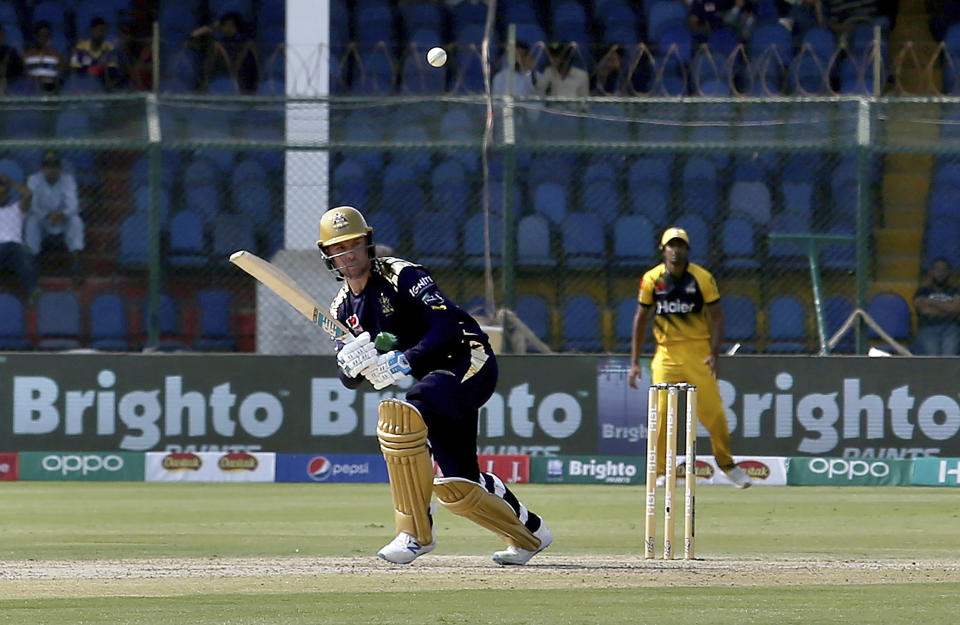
[(305, 553)]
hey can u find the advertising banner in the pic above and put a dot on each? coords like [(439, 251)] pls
[(849, 472), (209, 466), (587, 470), (511, 468), (763, 470), (936, 472), (81, 467), (8, 467), (544, 405), (331, 468)]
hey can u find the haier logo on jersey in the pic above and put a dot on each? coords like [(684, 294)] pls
[(319, 469), (675, 306)]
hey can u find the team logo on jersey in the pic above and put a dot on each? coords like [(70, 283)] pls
[(421, 284), (353, 322), (433, 300), (386, 307), (319, 469), (691, 288), (660, 286)]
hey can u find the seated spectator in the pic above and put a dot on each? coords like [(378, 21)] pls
[(228, 51), (13, 253), (706, 16), (560, 78), (96, 56), (525, 78), (11, 65), (608, 78), (804, 15), (741, 19), (54, 211), (938, 313), (41, 60)]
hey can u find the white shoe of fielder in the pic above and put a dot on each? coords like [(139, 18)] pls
[(404, 549), (518, 556), (738, 476)]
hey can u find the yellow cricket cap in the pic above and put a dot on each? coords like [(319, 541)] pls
[(674, 233)]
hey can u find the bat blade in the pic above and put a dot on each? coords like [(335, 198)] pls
[(278, 281)]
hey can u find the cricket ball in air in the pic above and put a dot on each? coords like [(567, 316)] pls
[(437, 57)]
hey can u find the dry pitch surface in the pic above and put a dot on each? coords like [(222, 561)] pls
[(169, 577)]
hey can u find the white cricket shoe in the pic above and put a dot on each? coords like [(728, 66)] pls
[(518, 556), (738, 476), (404, 549)]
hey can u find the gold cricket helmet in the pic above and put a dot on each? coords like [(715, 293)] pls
[(342, 224)]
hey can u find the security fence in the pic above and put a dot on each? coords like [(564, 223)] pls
[(555, 216)]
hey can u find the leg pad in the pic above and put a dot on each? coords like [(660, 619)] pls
[(403, 441), (469, 499)]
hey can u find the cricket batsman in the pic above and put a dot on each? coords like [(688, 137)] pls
[(455, 372)]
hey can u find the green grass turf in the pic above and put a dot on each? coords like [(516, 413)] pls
[(89, 521)]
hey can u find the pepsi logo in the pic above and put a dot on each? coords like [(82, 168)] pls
[(319, 469)]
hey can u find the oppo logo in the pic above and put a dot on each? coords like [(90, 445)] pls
[(841, 467), (83, 464)]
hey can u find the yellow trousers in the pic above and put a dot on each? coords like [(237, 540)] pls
[(683, 362)]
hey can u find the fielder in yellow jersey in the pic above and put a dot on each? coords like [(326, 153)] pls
[(684, 301)]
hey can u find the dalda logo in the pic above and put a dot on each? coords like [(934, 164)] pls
[(239, 461)]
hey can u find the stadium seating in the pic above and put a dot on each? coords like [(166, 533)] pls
[(58, 321), (581, 325), (13, 335), (740, 322), (786, 332), (583, 241), (215, 328), (534, 313), (108, 323), (892, 313)]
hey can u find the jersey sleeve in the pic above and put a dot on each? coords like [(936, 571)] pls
[(708, 285), (418, 285), (645, 296)]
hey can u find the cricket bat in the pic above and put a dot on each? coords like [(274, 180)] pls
[(286, 287)]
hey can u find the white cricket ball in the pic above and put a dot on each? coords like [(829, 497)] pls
[(437, 57)]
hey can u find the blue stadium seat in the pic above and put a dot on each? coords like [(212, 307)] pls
[(665, 14), (840, 256), (634, 241), (418, 15), (535, 314), (753, 199), (626, 310), (386, 229), (822, 42), (533, 242), (141, 203), (601, 198), (581, 325), (699, 233), (740, 321), (836, 310), (600, 168), (51, 12), (473, 240), (448, 171), (653, 201), (231, 232), (58, 321), (948, 174), (203, 200), (12, 169), (738, 244), (583, 241), (169, 329), (186, 247), (134, 241), (786, 254), (786, 332), (435, 239), (550, 200), (374, 75), (723, 41), (808, 74), (469, 76), (254, 200), (13, 335), (214, 311), (944, 201), (398, 172), (798, 198), (108, 323), (772, 40), (417, 77), (801, 167), (701, 197), (943, 233), (700, 168), (8, 14), (892, 313)]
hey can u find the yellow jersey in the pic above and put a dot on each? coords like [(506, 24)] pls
[(681, 313)]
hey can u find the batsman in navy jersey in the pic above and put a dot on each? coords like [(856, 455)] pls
[(403, 325)]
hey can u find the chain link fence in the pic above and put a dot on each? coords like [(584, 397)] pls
[(572, 193)]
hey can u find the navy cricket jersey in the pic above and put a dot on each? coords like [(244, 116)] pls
[(403, 299)]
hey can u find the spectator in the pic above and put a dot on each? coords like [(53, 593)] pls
[(525, 79), (96, 56), (609, 75), (804, 15), (13, 253), (227, 51), (706, 16), (561, 79), (41, 60), (11, 65), (741, 19), (938, 305), (54, 211)]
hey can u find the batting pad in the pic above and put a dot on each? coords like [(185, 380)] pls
[(403, 441), (471, 500)]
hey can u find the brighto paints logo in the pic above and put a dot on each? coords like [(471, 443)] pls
[(608, 471)]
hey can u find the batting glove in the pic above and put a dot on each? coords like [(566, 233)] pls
[(357, 356), (391, 368)]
